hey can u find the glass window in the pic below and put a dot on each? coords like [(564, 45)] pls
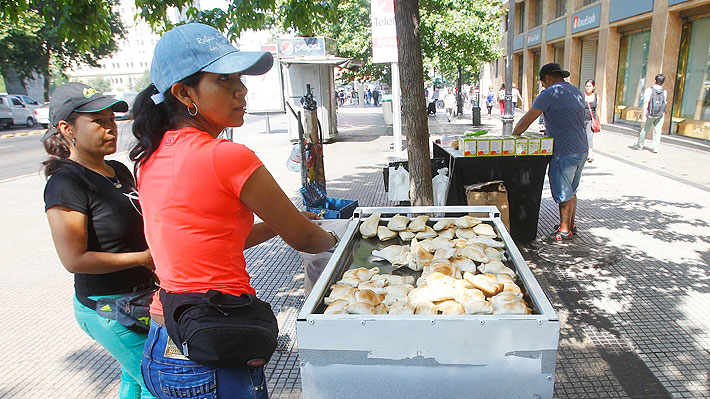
[(521, 17), (561, 8), (536, 76), (538, 13), (29, 100), (691, 108), (16, 101), (560, 55), (630, 84)]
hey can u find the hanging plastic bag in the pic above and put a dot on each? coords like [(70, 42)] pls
[(293, 163), (398, 184), (440, 184), (315, 263)]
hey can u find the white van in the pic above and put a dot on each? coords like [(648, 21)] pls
[(15, 112), (127, 96)]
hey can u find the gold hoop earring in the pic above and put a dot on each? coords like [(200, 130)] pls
[(189, 111)]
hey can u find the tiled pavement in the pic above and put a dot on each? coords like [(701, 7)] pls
[(635, 326)]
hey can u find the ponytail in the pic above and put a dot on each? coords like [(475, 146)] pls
[(58, 149), (151, 120)]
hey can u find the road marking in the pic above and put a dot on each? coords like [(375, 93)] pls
[(17, 177), (6, 146)]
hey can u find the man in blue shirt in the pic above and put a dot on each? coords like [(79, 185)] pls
[(563, 107)]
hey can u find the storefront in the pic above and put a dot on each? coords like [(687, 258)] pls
[(691, 108), (633, 61)]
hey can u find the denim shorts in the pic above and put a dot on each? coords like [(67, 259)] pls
[(564, 173), (170, 375)]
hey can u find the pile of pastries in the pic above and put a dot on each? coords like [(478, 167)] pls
[(461, 264)]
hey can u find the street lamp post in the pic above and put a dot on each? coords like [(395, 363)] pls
[(508, 116)]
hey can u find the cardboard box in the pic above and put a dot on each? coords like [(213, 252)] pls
[(496, 147), (483, 147), (547, 146), (697, 129), (508, 147), (533, 146), (521, 146), (468, 147), (490, 193)]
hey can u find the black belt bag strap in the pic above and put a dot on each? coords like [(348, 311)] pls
[(130, 310), (221, 330)]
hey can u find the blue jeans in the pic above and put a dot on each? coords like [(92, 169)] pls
[(564, 173), (170, 375), (123, 344)]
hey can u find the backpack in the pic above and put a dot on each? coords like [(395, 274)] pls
[(657, 103)]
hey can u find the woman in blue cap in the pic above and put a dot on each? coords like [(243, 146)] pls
[(199, 195), (95, 223)]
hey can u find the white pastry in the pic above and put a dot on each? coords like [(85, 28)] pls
[(398, 223), (512, 308), (444, 253), (495, 267), (493, 254), (394, 279), (478, 307), (443, 224), (486, 230), (402, 308), (360, 308), (445, 269), (487, 241), (504, 298), (466, 222), (381, 309), (368, 228), (440, 243), (349, 280), (488, 283), (419, 294), (464, 264), (347, 293), (449, 233), (419, 256), (459, 243), (475, 254), (441, 287), (337, 307), (419, 223), (425, 308), (469, 294), (398, 289), (407, 235), (361, 273), (376, 286), (384, 234), (426, 244), (391, 253), (465, 234), (367, 296), (428, 232), (450, 308)]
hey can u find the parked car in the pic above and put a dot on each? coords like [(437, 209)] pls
[(127, 96), (14, 112), (42, 115), (29, 102)]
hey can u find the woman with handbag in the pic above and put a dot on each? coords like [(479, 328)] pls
[(209, 335), (591, 123), (95, 223)]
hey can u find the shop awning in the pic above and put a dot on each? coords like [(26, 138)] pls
[(328, 60)]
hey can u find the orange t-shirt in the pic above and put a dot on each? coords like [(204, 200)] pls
[(195, 223)]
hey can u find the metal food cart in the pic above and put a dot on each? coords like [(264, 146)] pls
[(418, 356)]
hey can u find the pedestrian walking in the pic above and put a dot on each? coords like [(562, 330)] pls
[(490, 98), (199, 196), (591, 101), (376, 97), (501, 98), (95, 220), (450, 104), (368, 96), (563, 107), (515, 96), (654, 108)]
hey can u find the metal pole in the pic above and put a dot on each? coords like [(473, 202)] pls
[(266, 121), (508, 116), (396, 109)]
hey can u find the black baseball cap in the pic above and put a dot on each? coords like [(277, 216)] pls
[(78, 97), (551, 68)]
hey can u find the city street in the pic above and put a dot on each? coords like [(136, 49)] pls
[(633, 309)]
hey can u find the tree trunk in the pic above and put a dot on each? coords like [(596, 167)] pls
[(414, 120), (459, 95)]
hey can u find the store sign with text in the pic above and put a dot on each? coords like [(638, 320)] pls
[(305, 47), (586, 19), (384, 32)]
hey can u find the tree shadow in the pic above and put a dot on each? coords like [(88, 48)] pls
[(98, 368), (638, 316)]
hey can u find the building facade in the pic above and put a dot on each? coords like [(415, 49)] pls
[(622, 45)]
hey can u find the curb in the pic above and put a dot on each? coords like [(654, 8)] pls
[(695, 144)]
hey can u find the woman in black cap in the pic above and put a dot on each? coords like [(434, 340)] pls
[(94, 218)]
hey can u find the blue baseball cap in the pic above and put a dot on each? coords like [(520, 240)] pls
[(191, 48)]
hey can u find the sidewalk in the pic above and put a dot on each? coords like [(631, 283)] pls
[(632, 309)]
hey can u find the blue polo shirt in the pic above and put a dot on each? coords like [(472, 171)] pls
[(564, 108)]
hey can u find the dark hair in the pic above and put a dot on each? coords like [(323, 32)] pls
[(660, 79), (152, 120), (58, 149), (502, 86), (591, 80)]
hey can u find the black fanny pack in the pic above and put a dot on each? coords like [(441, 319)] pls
[(130, 310), (221, 330)]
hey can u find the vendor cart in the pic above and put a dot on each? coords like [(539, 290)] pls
[(425, 356)]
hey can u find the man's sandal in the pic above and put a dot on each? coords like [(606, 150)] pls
[(562, 235), (573, 229)]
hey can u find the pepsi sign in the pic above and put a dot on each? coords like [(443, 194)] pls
[(305, 47)]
